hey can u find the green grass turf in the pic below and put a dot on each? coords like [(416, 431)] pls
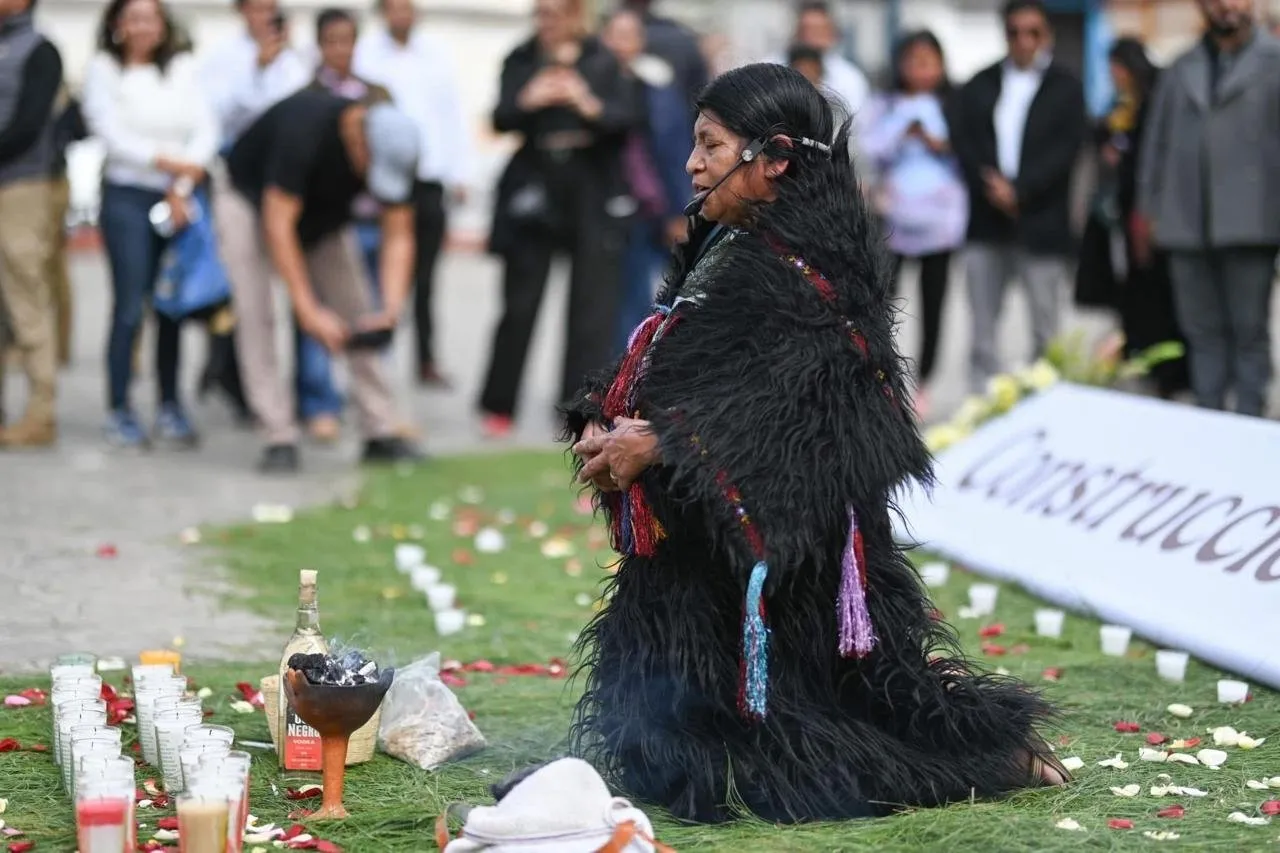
[(533, 606)]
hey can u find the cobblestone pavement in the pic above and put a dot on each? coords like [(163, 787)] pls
[(58, 508)]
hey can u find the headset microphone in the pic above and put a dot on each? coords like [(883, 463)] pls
[(753, 149)]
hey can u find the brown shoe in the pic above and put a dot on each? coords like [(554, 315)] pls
[(324, 429), (29, 432)]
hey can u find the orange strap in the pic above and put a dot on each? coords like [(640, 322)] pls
[(625, 834), (622, 836)]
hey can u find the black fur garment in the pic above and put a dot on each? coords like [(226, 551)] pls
[(805, 423)]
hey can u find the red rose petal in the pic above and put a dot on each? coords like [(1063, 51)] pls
[(294, 831), (167, 823), (1120, 823), (309, 794), (451, 680), (9, 745), (1156, 738), (471, 715), (251, 694), (1270, 807), (558, 668), (1128, 728), (34, 695), (37, 747), (22, 846), (463, 557), (993, 649), (1051, 673), (328, 847), (1174, 810), (108, 552), (1192, 742), (108, 693), (481, 666), (989, 631)]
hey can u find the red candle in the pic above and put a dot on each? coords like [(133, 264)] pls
[(102, 825)]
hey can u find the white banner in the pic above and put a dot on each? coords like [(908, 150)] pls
[(1143, 513)]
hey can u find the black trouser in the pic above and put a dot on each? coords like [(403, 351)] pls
[(933, 294), (430, 222), (595, 245)]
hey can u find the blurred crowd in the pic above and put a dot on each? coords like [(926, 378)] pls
[(338, 178)]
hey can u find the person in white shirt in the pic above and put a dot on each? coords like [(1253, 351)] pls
[(816, 28), (143, 98), (248, 74), (418, 72)]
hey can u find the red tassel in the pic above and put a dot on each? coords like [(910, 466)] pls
[(862, 560), (646, 531), (616, 403)]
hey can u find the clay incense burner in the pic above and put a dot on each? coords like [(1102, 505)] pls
[(335, 712)]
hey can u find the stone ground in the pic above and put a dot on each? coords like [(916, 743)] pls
[(57, 509)]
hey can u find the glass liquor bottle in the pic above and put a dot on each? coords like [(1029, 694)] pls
[(298, 746)]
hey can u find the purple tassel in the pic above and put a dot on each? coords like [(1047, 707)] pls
[(857, 635)]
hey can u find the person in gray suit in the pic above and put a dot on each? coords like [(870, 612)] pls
[(1209, 194)]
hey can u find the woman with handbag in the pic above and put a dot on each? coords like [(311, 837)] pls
[(563, 191), (144, 100)]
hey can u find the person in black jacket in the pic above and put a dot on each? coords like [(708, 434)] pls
[(1019, 127), (564, 190)]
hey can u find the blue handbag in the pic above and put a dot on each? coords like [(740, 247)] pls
[(192, 278)]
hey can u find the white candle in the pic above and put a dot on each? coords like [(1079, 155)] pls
[(1049, 622), (409, 557), (1231, 692), (982, 598), (935, 573), (441, 596), (1115, 640), (1171, 665), (449, 622)]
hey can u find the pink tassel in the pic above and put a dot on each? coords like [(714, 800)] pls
[(857, 635)]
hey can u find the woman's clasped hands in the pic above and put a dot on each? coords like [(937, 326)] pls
[(615, 458)]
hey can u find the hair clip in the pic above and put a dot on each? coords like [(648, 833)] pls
[(813, 143)]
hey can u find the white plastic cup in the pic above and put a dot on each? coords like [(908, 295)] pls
[(982, 598), (450, 622), (1171, 665), (1231, 692), (935, 574), (1049, 622), (423, 578), (1115, 640), (441, 596), (409, 556)]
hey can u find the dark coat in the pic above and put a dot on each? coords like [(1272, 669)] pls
[(601, 176), (1056, 128)]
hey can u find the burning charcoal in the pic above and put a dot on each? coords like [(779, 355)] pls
[(352, 661), (369, 670)]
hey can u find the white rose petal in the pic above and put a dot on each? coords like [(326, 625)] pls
[(1183, 757), (1179, 710), (1246, 742), (1069, 823), (1161, 835), (967, 612), (1273, 782), (1212, 757), (1075, 762), (1241, 817), (1192, 792), (242, 707), (272, 514), (166, 835), (204, 692), (1256, 785), (1131, 790), (301, 838), (362, 534), (4, 804), (1163, 790), (1225, 736), (1118, 762), (490, 541), (1002, 671), (1147, 754), (439, 511), (1163, 777), (538, 529)]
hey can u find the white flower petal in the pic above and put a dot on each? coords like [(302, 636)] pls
[(204, 692), (1183, 757), (242, 707), (1069, 823), (1224, 736), (1161, 835), (1241, 817), (1118, 762), (166, 835), (1148, 754), (1256, 785), (4, 804), (1075, 762), (1002, 671), (1212, 757), (967, 612), (1273, 782), (1192, 792), (1131, 790), (1179, 710), (1246, 742)]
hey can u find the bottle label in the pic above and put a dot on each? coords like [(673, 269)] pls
[(301, 743)]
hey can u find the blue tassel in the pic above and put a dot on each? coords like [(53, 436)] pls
[(628, 540), (755, 645)]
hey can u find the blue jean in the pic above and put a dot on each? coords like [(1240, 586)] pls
[(317, 395), (644, 261), (134, 251), (370, 237)]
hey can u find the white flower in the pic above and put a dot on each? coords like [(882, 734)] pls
[(1183, 758), (1225, 736), (1212, 757), (1246, 742), (1161, 835), (1241, 817), (1118, 762), (1074, 763), (1148, 754), (1180, 710), (1130, 790), (1069, 823)]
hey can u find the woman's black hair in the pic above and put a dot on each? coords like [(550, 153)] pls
[(333, 16), (803, 53), (916, 38), (1131, 55), (818, 210), (170, 46)]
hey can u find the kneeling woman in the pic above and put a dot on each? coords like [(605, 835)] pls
[(765, 641)]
